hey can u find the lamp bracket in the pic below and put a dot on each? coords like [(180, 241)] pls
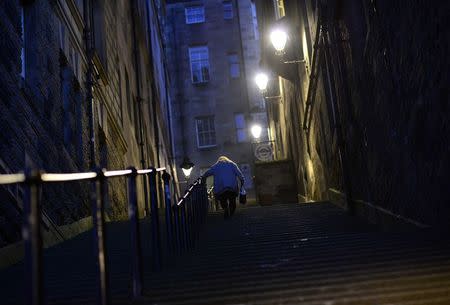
[(294, 61), (273, 97)]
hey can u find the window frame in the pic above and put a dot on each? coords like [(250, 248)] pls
[(233, 61), (228, 11), (242, 128), (192, 17), (202, 61), (211, 122)]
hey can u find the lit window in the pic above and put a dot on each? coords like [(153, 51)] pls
[(206, 133), (279, 8), (233, 61), (241, 132), (227, 10), (199, 64), (195, 14)]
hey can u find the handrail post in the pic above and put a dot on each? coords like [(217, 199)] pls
[(98, 218), (168, 214), (32, 238), (196, 210), (204, 201), (156, 237), (176, 221), (133, 215), (185, 224), (205, 196), (190, 220)]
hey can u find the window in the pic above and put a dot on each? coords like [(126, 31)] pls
[(279, 8), (233, 61), (206, 134), (195, 14), (22, 51), (99, 30), (255, 21), (199, 64), (241, 131), (227, 10)]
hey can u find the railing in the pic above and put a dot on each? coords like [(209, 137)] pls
[(183, 220)]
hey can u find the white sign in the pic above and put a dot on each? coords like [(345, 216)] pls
[(263, 152)]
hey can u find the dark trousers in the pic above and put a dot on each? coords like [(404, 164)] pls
[(227, 200)]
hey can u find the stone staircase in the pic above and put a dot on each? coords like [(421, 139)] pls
[(281, 254)]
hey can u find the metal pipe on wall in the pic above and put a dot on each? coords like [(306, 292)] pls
[(337, 116), (89, 45), (139, 101)]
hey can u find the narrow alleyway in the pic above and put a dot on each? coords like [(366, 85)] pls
[(281, 254)]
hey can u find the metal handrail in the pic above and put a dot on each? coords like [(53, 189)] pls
[(183, 221), (64, 177), (210, 190), (12, 178), (188, 192)]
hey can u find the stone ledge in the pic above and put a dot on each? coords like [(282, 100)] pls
[(375, 214)]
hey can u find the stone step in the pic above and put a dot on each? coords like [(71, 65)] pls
[(281, 254)]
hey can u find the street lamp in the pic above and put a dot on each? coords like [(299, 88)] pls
[(261, 80), (256, 131), (278, 38), (187, 167)]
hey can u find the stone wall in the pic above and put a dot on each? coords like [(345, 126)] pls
[(33, 117), (379, 119), (396, 113), (44, 115)]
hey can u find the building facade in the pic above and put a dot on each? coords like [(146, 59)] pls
[(82, 87), (213, 48), (362, 110)]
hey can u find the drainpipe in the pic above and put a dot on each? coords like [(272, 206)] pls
[(238, 15), (166, 78), (89, 41), (338, 125), (153, 114), (179, 81), (134, 16)]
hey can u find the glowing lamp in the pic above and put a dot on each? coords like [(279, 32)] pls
[(261, 80), (278, 38), (187, 167), (256, 131)]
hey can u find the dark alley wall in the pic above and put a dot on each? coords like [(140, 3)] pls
[(379, 124), (395, 111)]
